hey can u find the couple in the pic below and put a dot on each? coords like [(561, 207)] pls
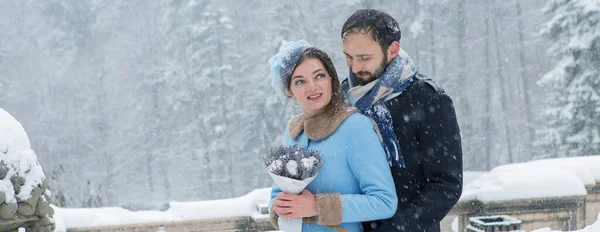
[(392, 158)]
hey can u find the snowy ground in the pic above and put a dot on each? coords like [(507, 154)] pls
[(67, 218)]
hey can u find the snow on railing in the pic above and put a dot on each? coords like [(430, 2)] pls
[(590, 228)]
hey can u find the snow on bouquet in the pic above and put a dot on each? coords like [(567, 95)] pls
[(292, 169)]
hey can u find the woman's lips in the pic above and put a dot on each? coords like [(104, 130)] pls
[(315, 97)]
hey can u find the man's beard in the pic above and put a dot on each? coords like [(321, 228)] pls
[(370, 76)]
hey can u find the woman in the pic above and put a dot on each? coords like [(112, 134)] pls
[(355, 183)]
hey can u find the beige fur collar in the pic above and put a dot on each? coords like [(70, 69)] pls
[(321, 126)]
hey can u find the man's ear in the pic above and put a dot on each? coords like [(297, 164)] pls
[(393, 50)]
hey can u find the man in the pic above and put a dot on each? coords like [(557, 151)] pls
[(412, 113)]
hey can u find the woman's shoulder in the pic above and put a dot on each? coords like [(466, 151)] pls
[(357, 117), (357, 121)]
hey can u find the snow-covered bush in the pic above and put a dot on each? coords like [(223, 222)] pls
[(24, 194)]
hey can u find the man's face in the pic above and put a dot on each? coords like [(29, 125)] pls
[(364, 56)]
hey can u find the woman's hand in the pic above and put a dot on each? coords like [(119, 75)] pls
[(292, 206)]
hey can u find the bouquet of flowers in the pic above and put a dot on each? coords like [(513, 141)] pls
[(292, 169)]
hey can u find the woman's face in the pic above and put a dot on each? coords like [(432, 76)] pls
[(311, 87)]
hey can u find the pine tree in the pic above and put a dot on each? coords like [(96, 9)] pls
[(222, 112), (176, 81), (3, 67), (573, 116)]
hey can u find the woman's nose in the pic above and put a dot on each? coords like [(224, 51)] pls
[(311, 85)]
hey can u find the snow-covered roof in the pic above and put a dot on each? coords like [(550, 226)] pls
[(534, 179), (514, 182), (587, 168), (470, 176)]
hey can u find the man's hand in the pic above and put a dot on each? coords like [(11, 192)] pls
[(293, 206)]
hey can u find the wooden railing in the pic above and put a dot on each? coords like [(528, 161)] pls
[(558, 213), (561, 213), (233, 224), (565, 213)]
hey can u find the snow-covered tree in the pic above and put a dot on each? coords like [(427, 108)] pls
[(573, 116), (172, 97), (3, 83), (177, 81)]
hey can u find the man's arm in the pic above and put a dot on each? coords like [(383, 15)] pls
[(440, 143)]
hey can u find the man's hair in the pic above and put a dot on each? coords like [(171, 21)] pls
[(314, 53), (383, 28)]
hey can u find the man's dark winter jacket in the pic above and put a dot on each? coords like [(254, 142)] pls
[(429, 186)]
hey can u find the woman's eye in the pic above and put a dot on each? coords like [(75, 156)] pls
[(298, 82), (320, 76)]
